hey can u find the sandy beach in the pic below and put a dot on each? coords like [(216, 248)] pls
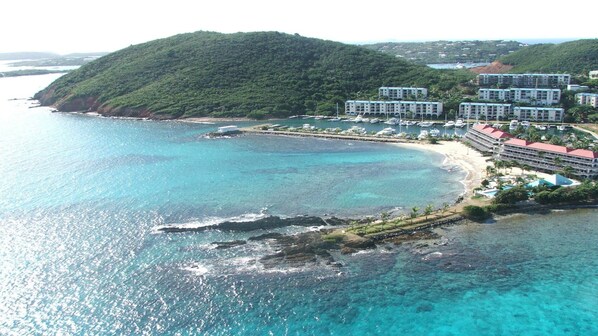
[(457, 153)]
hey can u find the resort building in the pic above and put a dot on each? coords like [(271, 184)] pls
[(482, 111), (524, 80), (587, 99), (577, 87), (486, 138), (532, 113), (494, 94), (523, 95), (551, 158), (593, 74), (400, 93), (396, 108)]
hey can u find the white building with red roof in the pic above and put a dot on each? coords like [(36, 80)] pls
[(552, 158), (486, 138)]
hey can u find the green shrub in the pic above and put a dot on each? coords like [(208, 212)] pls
[(511, 196), (475, 213)]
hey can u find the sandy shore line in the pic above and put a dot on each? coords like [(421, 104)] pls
[(459, 154)]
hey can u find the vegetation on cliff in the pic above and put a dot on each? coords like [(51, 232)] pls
[(243, 74), (575, 57)]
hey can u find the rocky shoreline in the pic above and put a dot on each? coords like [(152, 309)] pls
[(312, 247)]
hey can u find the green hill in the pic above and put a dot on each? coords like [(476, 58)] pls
[(242, 74), (575, 57)]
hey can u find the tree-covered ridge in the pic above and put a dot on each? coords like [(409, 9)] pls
[(448, 51), (255, 74), (575, 57)]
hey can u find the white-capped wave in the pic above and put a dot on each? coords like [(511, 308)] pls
[(211, 221), (196, 269)]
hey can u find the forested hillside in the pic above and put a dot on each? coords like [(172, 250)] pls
[(242, 74), (575, 57)]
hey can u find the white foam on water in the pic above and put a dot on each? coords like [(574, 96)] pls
[(196, 269), (210, 221)]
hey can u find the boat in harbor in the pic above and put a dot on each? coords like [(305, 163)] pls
[(513, 125), (374, 121), (387, 131), (392, 121), (357, 119), (449, 124), (459, 123), (434, 132), (426, 124), (423, 134), (525, 124)]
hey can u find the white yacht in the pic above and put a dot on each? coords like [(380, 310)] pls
[(513, 125), (434, 132), (392, 121), (358, 119), (374, 121), (423, 134), (426, 124), (525, 124), (387, 131), (459, 123), (449, 124)]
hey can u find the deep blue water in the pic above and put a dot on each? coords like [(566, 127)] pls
[(81, 197)]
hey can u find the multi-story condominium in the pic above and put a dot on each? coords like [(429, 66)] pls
[(398, 108), (524, 95), (536, 96), (524, 80), (486, 138), (551, 158), (490, 111), (587, 99), (400, 93), (494, 94), (533, 113)]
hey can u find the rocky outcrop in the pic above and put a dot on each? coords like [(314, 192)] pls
[(267, 223), (229, 244)]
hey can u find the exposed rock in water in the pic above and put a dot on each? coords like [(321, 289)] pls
[(267, 223), (312, 247), (229, 244), (271, 235)]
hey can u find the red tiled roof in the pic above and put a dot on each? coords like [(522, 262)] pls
[(539, 146), (491, 131)]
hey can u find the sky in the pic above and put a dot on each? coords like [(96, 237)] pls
[(65, 26)]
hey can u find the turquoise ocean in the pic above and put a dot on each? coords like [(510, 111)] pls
[(81, 198)]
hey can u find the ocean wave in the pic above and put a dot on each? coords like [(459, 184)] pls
[(196, 269), (210, 221)]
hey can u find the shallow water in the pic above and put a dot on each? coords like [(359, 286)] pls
[(81, 198)]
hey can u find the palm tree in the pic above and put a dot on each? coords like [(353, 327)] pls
[(490, 170), (414, 212), (568, 171), (428, 210), (558, 161)]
